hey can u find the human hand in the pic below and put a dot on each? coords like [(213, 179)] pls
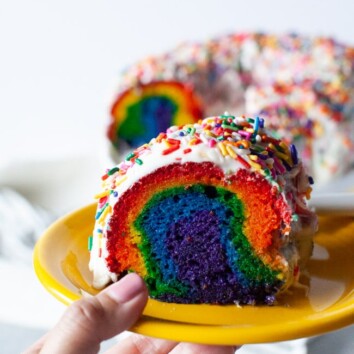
[(89, 321)]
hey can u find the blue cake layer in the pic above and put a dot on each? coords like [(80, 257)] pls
[(143, 123), (195, 250)]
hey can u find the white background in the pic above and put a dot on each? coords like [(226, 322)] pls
[(59, 69), (60, 60)]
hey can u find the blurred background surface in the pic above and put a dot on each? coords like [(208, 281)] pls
[(59, 67)]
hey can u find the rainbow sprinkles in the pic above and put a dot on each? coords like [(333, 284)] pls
[(209, 212)]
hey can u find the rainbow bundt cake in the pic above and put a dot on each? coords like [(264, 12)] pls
[(305, 81), (212, 212)]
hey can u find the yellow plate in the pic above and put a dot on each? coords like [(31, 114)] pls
[(61, 259)]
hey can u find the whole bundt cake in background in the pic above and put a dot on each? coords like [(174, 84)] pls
[(211, 212), (304, 85)]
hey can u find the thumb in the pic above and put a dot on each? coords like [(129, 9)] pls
[(89, 321)]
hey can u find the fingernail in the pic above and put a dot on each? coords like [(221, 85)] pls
[(126, 289)]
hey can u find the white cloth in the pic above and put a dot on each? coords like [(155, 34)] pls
[(21, 225)]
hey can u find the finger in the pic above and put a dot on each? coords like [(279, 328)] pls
[(138, 344), (89, 321), (36, 346), (189, 348)]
